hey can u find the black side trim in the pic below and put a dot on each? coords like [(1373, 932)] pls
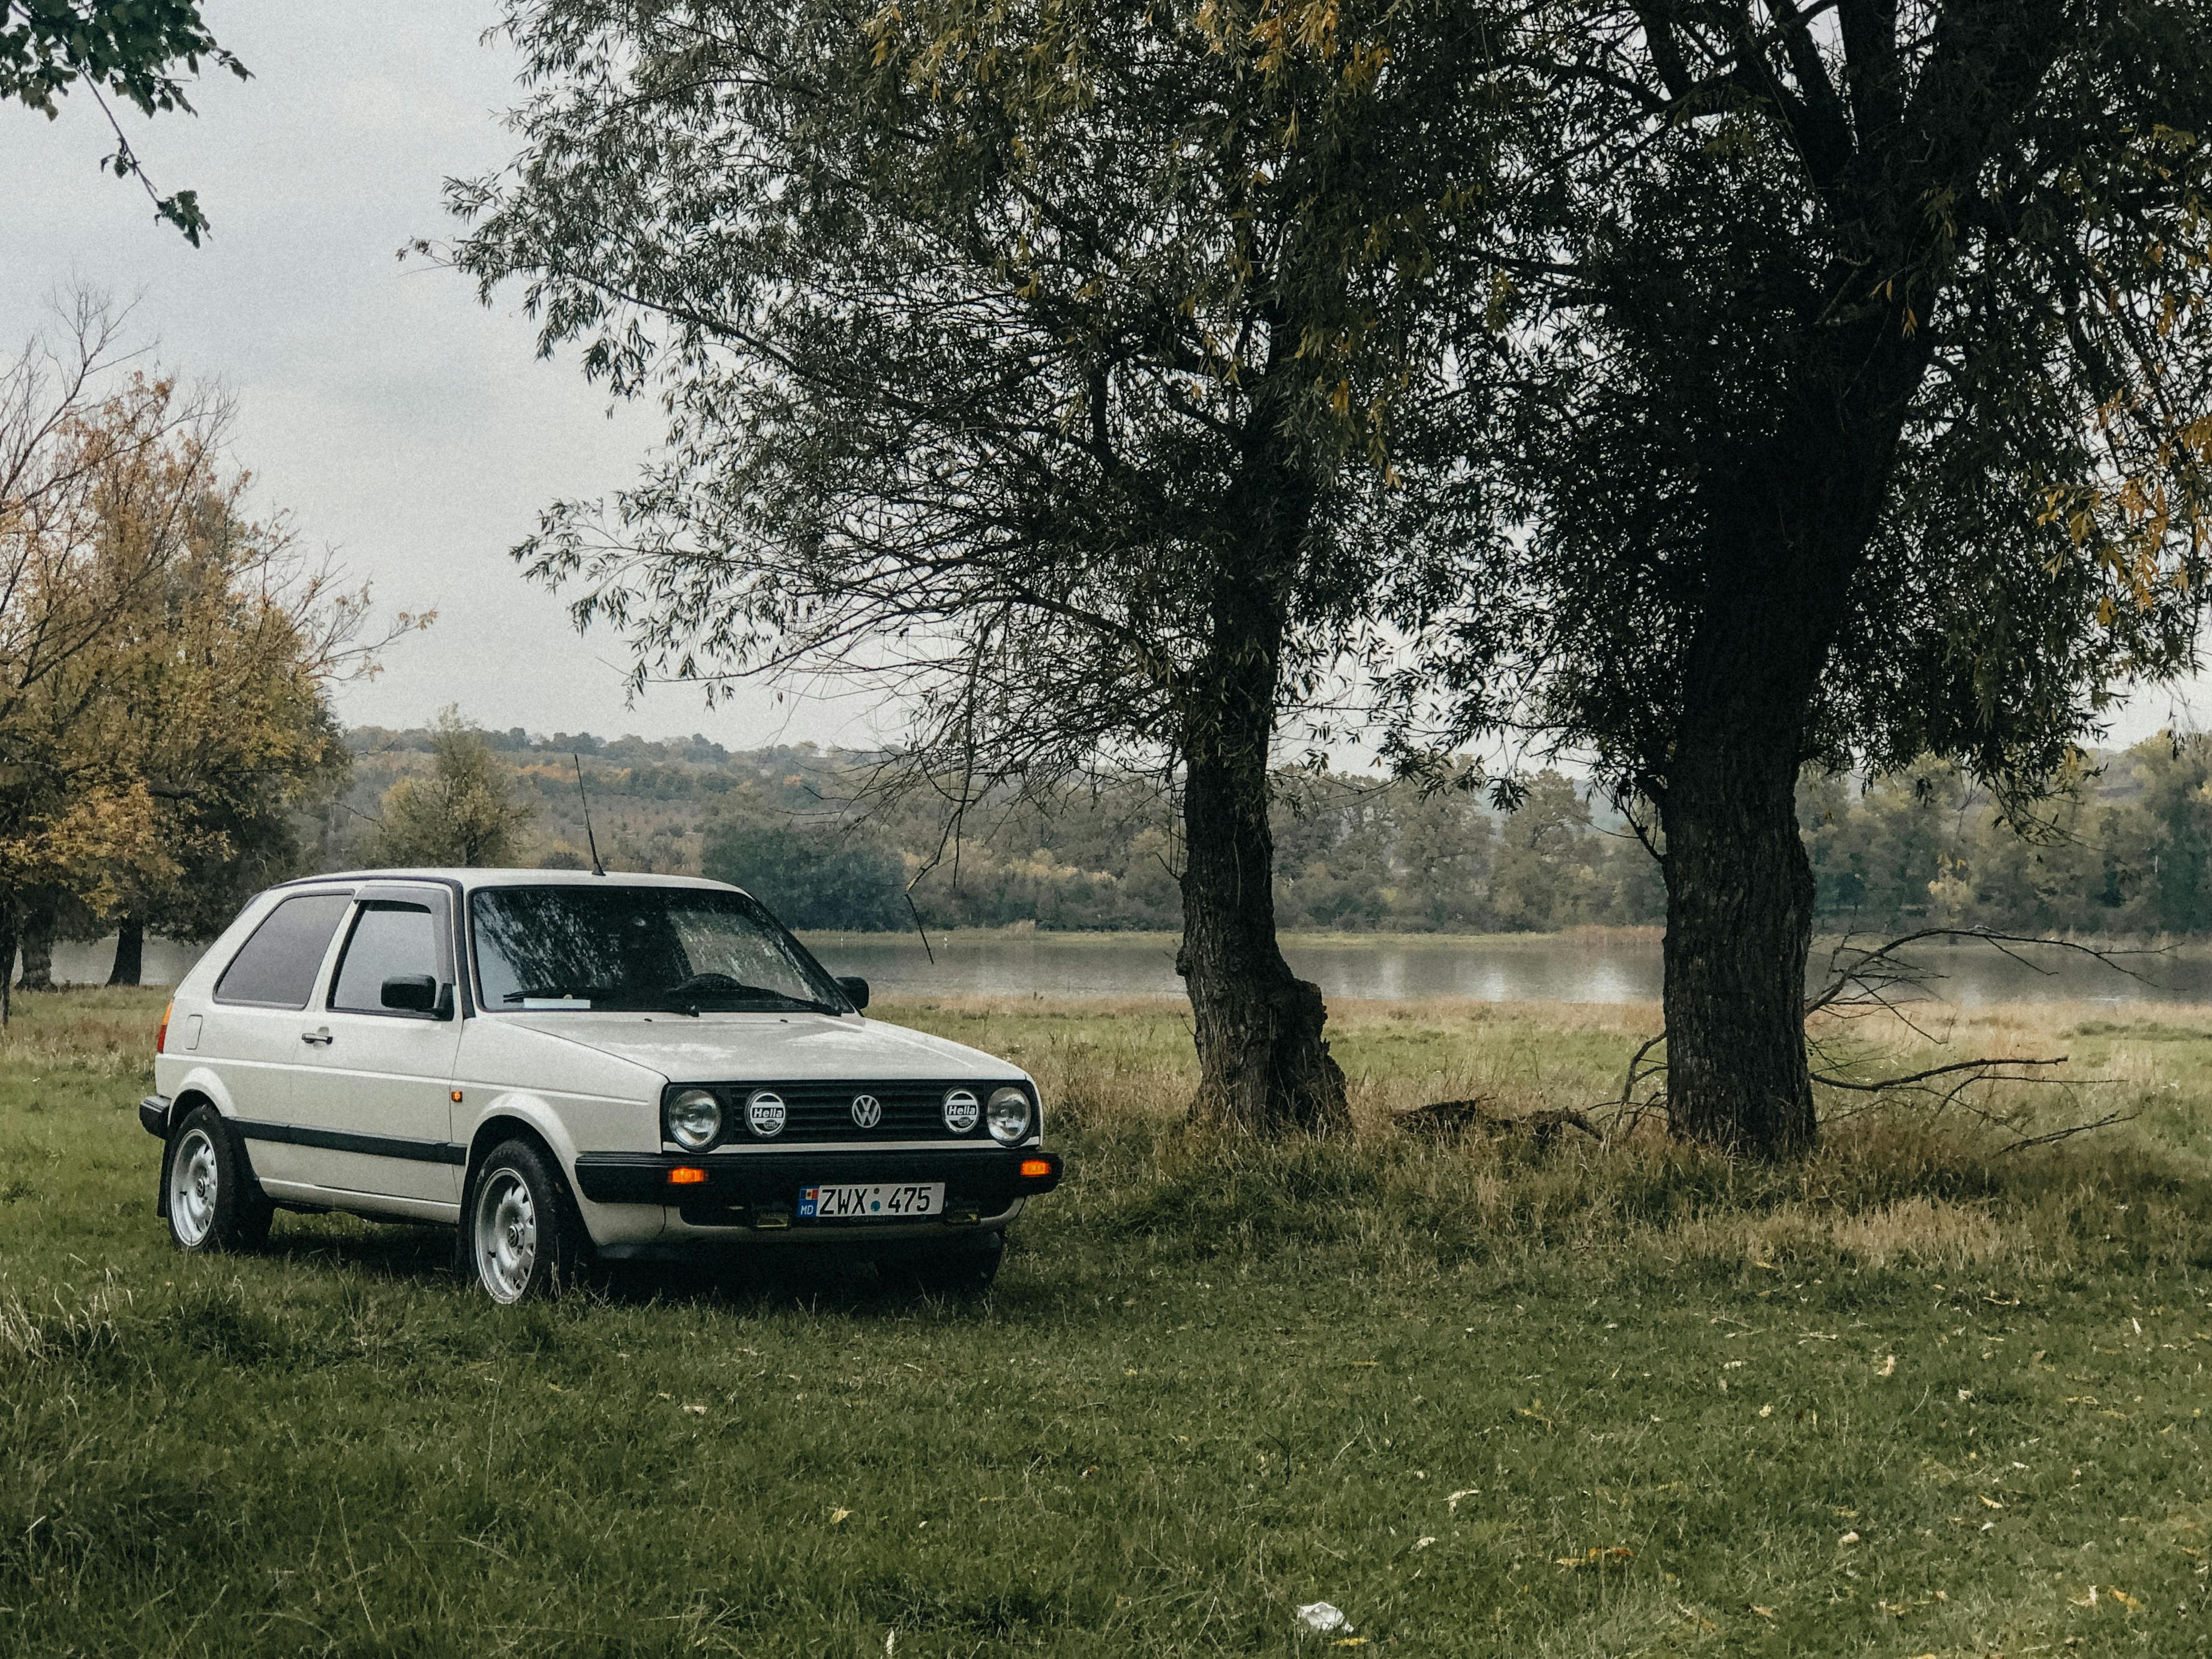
[(341, 1141), (987, 1179)]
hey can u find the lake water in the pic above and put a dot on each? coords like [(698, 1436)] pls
[(1538, 969), (165, 962)]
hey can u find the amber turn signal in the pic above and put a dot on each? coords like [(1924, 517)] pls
[(162, 1033), (686, 1174), (1034, 1169)]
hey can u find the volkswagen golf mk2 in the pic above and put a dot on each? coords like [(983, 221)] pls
[(564, 1066)]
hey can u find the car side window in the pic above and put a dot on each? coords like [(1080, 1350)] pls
[(276, 968), (388, 939)]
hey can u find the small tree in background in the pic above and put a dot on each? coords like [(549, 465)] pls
[(463, 812)]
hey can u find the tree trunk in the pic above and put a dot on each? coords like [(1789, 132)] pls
[(1739, 924), (1738, 886), (129, 951), (1263, 1065), (8, 932), (39, 926)]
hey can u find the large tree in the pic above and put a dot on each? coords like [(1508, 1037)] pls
[(164, 660), (1062, 368), (1865, 413), (130, 49), (99, 473)]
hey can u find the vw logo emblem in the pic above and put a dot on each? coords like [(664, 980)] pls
[(867, 1111)]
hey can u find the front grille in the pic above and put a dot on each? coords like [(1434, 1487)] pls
[(817, 1111)]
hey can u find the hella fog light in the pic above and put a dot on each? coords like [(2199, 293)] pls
[(765, 1115), (1009, 1114), (694, 1118), (963, 1111)]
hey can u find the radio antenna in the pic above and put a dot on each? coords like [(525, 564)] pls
[(591, 840)]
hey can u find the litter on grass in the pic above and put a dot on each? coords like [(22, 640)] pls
[(1322, 1619)]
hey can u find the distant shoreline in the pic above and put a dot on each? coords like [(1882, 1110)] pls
[(1588, 937), (1594, 937)]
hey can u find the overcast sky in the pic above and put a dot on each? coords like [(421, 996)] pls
[(399, 421)]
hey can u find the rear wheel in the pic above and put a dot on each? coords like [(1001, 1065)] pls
[(213, 1202), (523, 1238)]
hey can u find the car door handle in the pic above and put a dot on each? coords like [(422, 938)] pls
[(321, 1037)]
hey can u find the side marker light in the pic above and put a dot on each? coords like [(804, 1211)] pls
[(1035, 1167), (686, 1174)]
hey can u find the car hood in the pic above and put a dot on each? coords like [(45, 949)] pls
[(737, 1047)]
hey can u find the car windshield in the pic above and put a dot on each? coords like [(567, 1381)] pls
[(683, 949)]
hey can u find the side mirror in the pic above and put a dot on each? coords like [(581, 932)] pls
[(856, 991), (413, 993)]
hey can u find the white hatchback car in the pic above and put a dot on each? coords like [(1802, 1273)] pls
[(563, 1066)]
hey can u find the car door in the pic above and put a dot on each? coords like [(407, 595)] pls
[(257, 1015), (380, 1108)]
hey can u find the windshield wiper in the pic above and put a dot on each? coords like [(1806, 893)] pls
[(692, 995)]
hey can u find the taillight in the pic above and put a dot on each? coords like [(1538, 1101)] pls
[(162, 1034)]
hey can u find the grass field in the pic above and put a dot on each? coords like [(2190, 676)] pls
[(1919, 1396)]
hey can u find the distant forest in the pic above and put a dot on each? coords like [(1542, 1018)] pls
[(2127, 849)]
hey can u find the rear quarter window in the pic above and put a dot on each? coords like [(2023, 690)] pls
[(276, 967)]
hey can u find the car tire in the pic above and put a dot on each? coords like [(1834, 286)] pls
[(207, 1190), (520, 1234), (966, 1269)]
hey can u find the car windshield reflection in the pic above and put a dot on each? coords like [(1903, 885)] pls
[(678, 950)]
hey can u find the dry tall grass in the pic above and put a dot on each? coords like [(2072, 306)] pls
[(1901, 1181)]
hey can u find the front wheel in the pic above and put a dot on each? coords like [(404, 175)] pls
[(523, 1238), (213, 1200)]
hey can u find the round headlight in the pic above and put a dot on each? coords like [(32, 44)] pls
[(963, 1111), (1010, 1114), (764, 1114), (694, 1118)]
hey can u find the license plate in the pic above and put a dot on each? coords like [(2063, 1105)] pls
[(871, 1203)]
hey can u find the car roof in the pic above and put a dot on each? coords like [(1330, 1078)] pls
[(470, 877)]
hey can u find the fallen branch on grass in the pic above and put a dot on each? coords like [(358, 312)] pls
[(1878, 978), (2069, 1131), (1982, 1067)]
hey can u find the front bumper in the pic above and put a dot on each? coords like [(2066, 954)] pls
[(760, 1190)]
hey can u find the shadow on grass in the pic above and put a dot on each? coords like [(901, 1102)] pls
[(831, 1279)]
